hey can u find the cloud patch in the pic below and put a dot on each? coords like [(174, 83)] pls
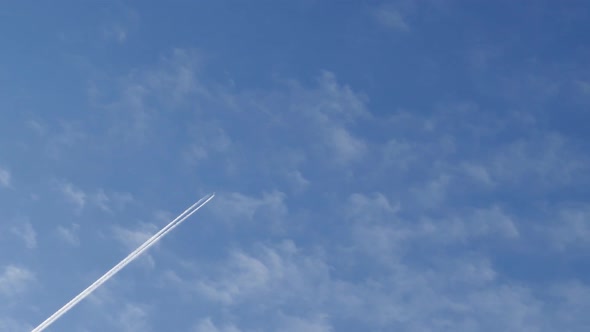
[(131, 238), (69, 234), (5, 178), (207, 325), (73, 195), (27, 233), (15, 280), (235, 207), (391, 18)]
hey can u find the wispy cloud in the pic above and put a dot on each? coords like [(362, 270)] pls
[(236, 207), (120, 25), (115, 32), (346, 147), (5, 178), (409, 297), (207, 325), (312, 324), (568, 228), (109, 201), (326, 112), (104, 200), (144, 98), (261, 273), (131, 238), (382, 230), (9, 324), (430, 181), (417, 245), (297, 180), (391, 18), (57, 139), (15, 280), (113, 310), (69, 234), (133, 318), (74, 195), (26, 232), (583, 87), (479, 173), (205, 142)]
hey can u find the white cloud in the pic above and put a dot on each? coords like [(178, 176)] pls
[(115, 32), (333, 101), (346, 147), (327, 114), (382, 230), (206, 325), (433, 193), (246, 274), (121, 24), (8, 324), (370, 207), (583, 88), (15, 280), (274, 273), (478, 173), (144, 99), (133, 318), (66, 136), (445, 291), (453, 293), (73, 195), (492, 220), (413, 257), (177, 77), (297, 180), (37, 126), (133, 238), (399, 154), (466, 226), (573, 303), (462, 295), (69, 234), (235, 207), (331, 109), (569, 228), (112, 308), (196, 153), (5, 178), (484, 57), (206, 141), (313, 324), (108, 201), (27, 233), (391, 18), (57, 137), (375, 227), (436, 153), (104, 200), (545, 161)]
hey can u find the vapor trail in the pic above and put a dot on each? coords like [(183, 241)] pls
[(141, 249)]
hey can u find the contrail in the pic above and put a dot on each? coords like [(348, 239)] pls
[(141, 249)]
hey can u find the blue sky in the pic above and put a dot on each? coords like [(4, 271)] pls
[(379, 166)]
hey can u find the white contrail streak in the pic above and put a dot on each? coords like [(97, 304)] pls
[(141, 249)]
